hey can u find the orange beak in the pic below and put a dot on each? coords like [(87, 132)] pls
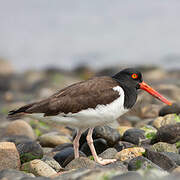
[(154, 93)]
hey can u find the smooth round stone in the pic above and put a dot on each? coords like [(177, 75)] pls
[(173, 156), (62, 156), (128, 176), (29, 151), (165, 147), (123, 145), (134, 136), (62, 146), (108, 153), (8, 174), (19, 128), (9, 156), (123, 129), (169, 133), (173, 109), (99, 144)]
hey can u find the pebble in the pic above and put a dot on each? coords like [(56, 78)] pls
[(129, 153), (173, 109), (37, 178), (165, 147), (123, 145), (29, 151), (38, 168), (123, 129), (163, 121), (12, 174), (108, 153), (9, 156), (169, 133), (134, 136), (150, 131), (99, 144), (141, 162), (128, 176), (173, 156), (19, 128), (161, 160), (52, 163), (53, 139)]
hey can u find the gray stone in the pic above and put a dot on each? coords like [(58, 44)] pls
[(174, 108), (165, 147), (128, 176), (108, 153), (173, 156), (123, 145)]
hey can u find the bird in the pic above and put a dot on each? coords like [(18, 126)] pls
[(86, 104)]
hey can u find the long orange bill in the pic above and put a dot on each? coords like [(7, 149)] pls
[(154, 93)]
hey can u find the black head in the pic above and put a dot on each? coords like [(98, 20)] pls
[(129, 77)]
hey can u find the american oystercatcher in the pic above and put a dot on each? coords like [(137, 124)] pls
[(90, 103)]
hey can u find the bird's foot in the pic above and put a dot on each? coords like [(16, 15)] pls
[(105, 161)]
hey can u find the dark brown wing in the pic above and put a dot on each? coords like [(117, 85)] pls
[(74, 98)]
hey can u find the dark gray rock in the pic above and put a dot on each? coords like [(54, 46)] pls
[(161, 160), (168, 133), (108, 153), (29, 151), (123, 145), (128, 176), (174, 108), (173, 156), (141, 162), (99, 144), (12, 174), (66, 155), (134, 136), (117, 165), (62, 146)]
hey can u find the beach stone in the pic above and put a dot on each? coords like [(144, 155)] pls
[(53, 139), (128, 176), (52, 163), (123, 129), (173, 109), (161, 160), (169, 133), (47, 150), (99, 144), (165, 147), (129, 153), (37, 178), (19, 128), (12, 174), (173, 156), (117, 165), (38, 168), (134, 136), (9, 156), (123, 145), (81, 162), (29, 151), (62, 146), (165, 120), (141, 162), (108, 153), (150, 131)]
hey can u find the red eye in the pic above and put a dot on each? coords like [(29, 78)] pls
[(134, 76)]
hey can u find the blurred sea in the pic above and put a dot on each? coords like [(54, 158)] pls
[(67, 33)]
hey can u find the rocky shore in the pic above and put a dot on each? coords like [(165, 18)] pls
[(145, 141)]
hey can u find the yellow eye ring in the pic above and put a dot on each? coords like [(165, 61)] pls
[(134, 76)]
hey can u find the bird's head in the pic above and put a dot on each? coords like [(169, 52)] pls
[(131, 77)]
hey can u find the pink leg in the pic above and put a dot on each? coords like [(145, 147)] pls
[(76, 144), (93, 151)]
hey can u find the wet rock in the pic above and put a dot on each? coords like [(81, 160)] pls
[(129, 153), (173, 109), (169, 133), (165, 147), (29, 151), (111, 135), (163, 121), (12, 174), (65, 153), (161, 160), (123, 145), (38, 168), (134, 136), (123, 129), (128, 176), (99, 144), (9, 156), (52, 163), (108, 153), (81, 162), (141, 162), (173, 156), (53, 139), (19, 128)]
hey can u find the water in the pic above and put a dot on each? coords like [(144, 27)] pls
[(65, 33)]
